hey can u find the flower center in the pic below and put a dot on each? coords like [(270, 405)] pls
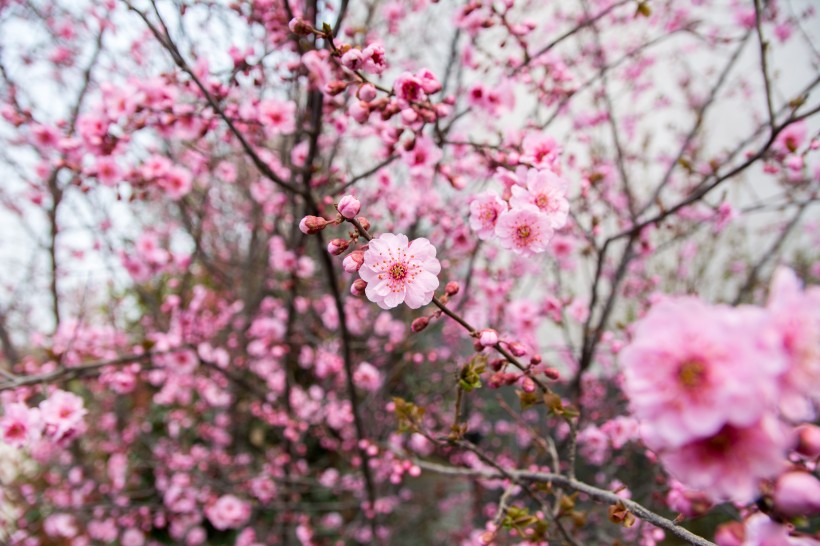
[(397, 271), (523, 232), (692, 374), (489, 214), (542, 201)]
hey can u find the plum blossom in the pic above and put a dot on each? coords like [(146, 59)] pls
[(545, 190), (228, 512), (368, 377), (62, 414), (525, 230), (397, 271), (277, 116), (729, 465), (485, 208), (20, 424), (691, 369)]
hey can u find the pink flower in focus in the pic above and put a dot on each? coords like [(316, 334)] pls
[(545, 190), (485, 208), (730, 464), (525, 230), (692, 368), (398, 271), (62, 414), (228, 512)]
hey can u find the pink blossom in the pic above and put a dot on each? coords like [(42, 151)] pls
[(408, 89), (796, 315), (368, 377), (62, 414), (525, 230), (373, 60), (20, 424), (485, 208), (541, 151), (488, 337), (228, 512), (790, 138), (760, 530), (349, 206), (797, 493), (730, 464), (546, 190), (277, 116), (691, 368), (398, 271)]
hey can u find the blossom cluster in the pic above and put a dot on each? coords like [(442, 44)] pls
[(718, 388), (57, 420), (536, 206)]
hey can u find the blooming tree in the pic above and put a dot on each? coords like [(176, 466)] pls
[(409, 272)]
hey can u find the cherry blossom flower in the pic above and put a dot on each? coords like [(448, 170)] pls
[(546, 190), (398, 271), (20, 424), (485, 208), (525, 230), (277, 116), (691, 369), (730, 464), (228, 512), (62, 414)]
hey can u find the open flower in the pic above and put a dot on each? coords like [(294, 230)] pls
[(545, 190), (525, 230), (398, 271)]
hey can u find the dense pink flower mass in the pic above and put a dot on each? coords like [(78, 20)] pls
[(397, 271), (211, 213)]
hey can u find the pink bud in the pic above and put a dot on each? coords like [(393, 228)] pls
[(552, 373), (357, 288), (366, 92), (808, 440), (349, 206), (451, 289), (419, 324), (334, 88), (797, 493), (517, 349), (337, 246), (353, 261), (488, 337), (312, 224), (299, 26), (365, 223), (359, 111), (528, 385)]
